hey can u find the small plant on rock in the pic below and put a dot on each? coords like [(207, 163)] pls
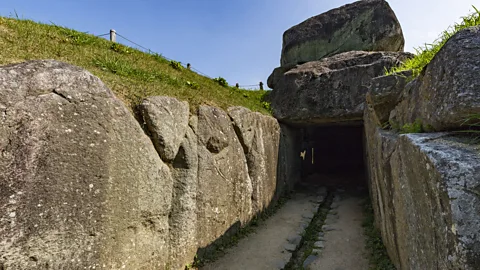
[(415, 127)]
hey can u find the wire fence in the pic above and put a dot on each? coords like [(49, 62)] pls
[(113, 37)]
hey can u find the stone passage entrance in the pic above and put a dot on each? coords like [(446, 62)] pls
[(333, 155)]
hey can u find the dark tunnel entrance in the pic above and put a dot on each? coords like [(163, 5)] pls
[(333, 156)]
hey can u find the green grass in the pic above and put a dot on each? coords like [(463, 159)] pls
[(425, 54), (378, 257), (472, 125), (131, 74), (415, 127)]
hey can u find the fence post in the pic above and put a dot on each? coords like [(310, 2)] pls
[(188, 65), (261, 85), (113, 35)]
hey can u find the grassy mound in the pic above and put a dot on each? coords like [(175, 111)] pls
[(425, 54), (131, 74)]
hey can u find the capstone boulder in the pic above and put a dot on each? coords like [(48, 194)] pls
[(369, 25)]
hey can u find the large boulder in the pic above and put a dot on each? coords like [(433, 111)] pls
[(166, 119), (329, 90), (81, 185), (424, 189), (259, 135), (361, 26), (224, 192), (384, 93), (446, 93)]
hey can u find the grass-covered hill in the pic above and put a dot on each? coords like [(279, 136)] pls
[(130, 73)]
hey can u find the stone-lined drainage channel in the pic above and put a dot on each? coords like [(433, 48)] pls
[(274, 242), (312, 240)]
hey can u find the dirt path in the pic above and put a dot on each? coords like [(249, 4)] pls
[(271, 245), (344, 241)]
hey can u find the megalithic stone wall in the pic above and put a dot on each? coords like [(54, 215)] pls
[(82, 185), (425, 186)]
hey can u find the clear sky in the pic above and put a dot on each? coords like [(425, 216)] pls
[(239, 40)]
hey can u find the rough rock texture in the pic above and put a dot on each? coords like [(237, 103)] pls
[(224, 187), (446, 92), (183, 224), (259, 135), (81, 186), (361, 26), (384, 94), (330, 90), (167, 120), (289, 160), (425, 190)]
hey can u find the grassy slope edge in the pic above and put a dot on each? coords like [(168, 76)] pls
[(131, 74), (425, 54)]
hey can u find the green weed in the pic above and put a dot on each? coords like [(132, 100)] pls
[(415, 127), (472, 125), (193, 85), (378, 258), (176, 65), (119, 48), (426, 53), (75, 37), (221, 81)]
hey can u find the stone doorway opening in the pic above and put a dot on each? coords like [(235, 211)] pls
[(333, 155)]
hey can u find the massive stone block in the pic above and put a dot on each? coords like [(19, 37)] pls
[(384, 93), (361, 26), (289, 160), (224, 193), (183, 217), (446, 92), (259, 135), (81, 185), (166, 119), (424, 190), (331, 90)]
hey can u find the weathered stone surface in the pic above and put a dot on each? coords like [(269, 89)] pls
[(167, 120), (277, 74), (289, 160), (384, 94), (446, 92), (81, 186), (424, 189), (360, 26), (259, 135), (183, 218), (224, 187), (330, 90)]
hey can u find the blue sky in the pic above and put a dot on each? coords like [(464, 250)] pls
[(239, 40)]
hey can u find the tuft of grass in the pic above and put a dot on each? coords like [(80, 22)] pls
[(378, 258), (131, 74), (472, 124), (426, 53), (221, 81), (176, 65), (415, 127), (119, 48)]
